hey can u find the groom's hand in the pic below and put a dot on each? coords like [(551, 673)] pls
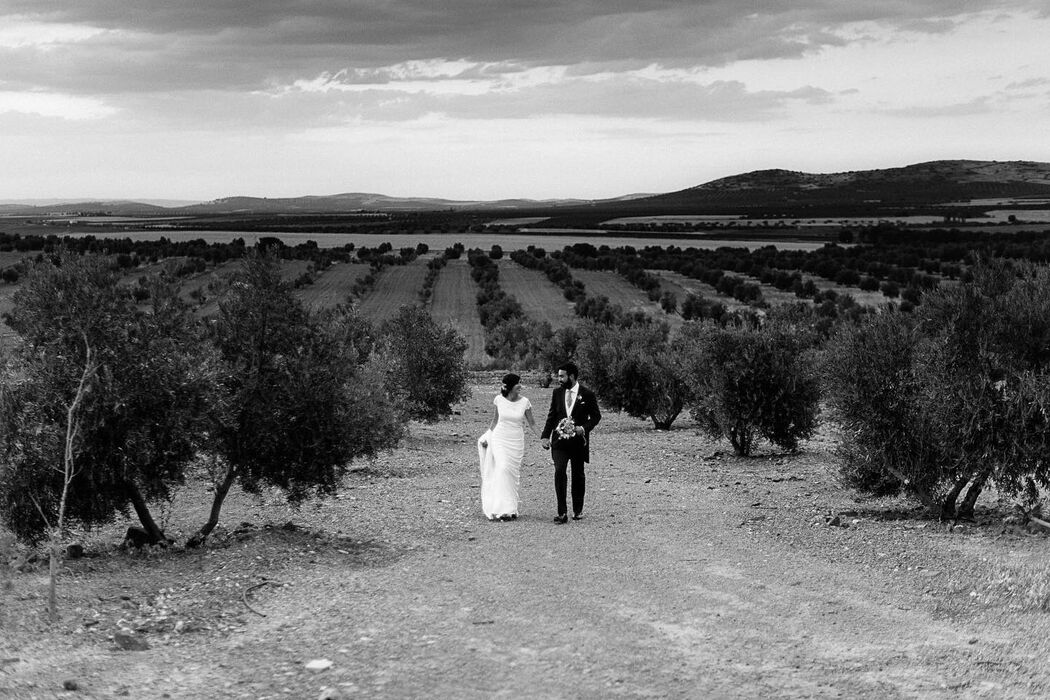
[(580, 431), (545, 443)]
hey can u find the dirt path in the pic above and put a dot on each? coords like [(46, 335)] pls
[(693, 574)]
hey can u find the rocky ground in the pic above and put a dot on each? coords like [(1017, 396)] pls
[(693, 574)]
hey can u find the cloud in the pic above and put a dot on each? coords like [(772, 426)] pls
[(666, 96), (978, 105), (47, 104), (120, 46)]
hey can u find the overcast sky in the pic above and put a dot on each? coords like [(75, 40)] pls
[(485, 99)]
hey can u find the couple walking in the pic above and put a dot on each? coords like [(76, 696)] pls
[(572, 416)]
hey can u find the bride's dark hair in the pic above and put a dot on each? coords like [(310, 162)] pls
[(509, 382)]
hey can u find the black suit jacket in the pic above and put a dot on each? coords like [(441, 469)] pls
[(585, 413)]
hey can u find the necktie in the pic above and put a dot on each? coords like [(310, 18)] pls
[(568, 403)]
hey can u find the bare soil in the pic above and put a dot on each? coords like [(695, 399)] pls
[(454, 303), (694, 573), (540, 298), (397, 286)]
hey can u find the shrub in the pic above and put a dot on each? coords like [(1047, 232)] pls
[(954, 398), (869, 284), (872, 394), (301, 404), (634, 370), (424, 363), (749, 383), (985, 370), (668, 302), (149, 387)]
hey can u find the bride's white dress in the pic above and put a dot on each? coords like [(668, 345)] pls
[(501, 460)]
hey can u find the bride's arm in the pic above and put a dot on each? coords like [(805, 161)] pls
[(531, 420), (492, 425)]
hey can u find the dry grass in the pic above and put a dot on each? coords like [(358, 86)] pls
[(10, 257), (539, 297), (680, 285), (453, 303), (398, 286), (332, 287), (864, 298), (619, 291), (1019, 584)]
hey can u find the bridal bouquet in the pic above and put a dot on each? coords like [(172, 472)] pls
[(566, 429)]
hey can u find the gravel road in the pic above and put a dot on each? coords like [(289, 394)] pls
[(693, 574)]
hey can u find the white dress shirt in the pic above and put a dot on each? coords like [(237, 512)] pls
[(570, 399)]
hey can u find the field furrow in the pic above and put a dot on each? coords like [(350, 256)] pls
[(332, 287), (539, 297), (680, 285), (862, 297), (7, 334), (398, 286), (453, 303), (772, 295), (12, 257), (619, 291)]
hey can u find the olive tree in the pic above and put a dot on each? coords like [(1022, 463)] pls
[(751, 382), (302, 396), (104, 402), (940, 404), (635, 370), (424, 362)]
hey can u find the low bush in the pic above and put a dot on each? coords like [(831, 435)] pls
[(424, 363), (635, 370), (943, 400), (751, 382)]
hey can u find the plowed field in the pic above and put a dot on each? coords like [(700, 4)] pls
[(398, 286), (332, 287), (539, 297), (619, 291), (453, 303)]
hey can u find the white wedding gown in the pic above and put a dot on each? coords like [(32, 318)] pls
[(501, 460)]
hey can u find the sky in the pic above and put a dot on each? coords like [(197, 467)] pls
[(488, 99)]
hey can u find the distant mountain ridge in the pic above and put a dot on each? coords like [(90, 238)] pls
[(933, 183)]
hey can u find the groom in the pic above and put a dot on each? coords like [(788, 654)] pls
[(570, 400)]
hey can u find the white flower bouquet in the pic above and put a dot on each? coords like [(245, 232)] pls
[(566, 430)]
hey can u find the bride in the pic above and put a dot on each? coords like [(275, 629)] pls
[(501, 450)]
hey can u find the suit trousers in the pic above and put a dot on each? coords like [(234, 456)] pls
[(562, 460)]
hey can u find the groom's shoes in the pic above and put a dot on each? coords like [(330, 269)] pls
[(577, 516), (561, 519)]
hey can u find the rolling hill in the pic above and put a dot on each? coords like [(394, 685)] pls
[(933, 184)]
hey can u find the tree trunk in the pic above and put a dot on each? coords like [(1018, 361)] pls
[(922, 494), (965, 511), (156, 535), (664, 422), (52, 585), (216, 506), (742, 439), (948, 504)]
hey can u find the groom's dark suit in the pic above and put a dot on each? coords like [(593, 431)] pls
[(575, 451)]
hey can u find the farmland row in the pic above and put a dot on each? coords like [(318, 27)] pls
[(619, 291), (398, 286), (453, 304), (332, 286), (682, 286), (539, 298)]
